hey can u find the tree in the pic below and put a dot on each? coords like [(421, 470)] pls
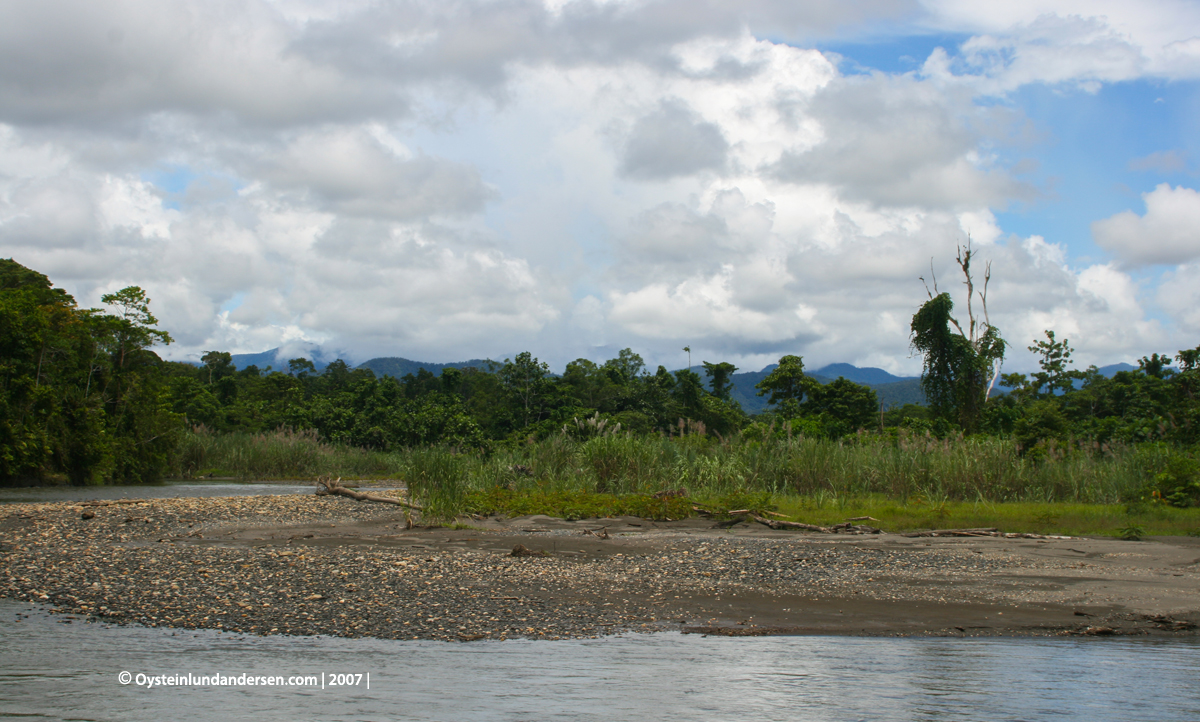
[(525, 380), (1156, 366), (688, 393), (626, 367), (1055, 377), (787, 385), (843, 406), (219, 365), (1189, 371), (960, 364), (718, 378), (134, 330), (301, 368)]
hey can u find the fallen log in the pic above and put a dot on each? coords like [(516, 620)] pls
[(327, 487), (843, 528), (776, 524), (989, 531), (848, 528)]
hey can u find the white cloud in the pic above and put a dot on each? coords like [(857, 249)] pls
[(1169, 232), (1082, 42), (901, 141), (353, 172), (462, 179), (1179, 295), (74, 62)]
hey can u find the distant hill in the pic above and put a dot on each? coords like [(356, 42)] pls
[(397, 367), (892, 390), (1112, 369), (278, 358), (869, 376)]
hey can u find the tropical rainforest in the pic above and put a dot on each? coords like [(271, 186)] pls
[(87, 400)]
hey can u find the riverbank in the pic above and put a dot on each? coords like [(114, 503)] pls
[(302, 564)]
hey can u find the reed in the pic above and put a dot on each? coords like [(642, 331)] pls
[(900, 466)]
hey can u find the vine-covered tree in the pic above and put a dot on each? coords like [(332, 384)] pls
[(960, 364)]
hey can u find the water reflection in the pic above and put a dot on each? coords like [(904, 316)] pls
[(70, 671)]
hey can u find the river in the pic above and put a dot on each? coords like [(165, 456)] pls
[(56, 667)]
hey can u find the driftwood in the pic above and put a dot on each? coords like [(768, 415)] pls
[(328, 487), (776, 524), (843, 528), (113, 502), (601, 533), (989, 531)]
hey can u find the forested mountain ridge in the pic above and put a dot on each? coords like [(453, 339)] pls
[(892, 391), (86, 399), (397, 367)]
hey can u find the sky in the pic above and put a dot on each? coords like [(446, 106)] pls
[(453, 180)]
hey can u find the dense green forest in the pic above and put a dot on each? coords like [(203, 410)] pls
[(86, 400)]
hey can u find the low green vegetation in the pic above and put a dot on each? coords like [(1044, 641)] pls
[(905, 481), (86, 400)]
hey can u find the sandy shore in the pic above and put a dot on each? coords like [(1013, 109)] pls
[(329, 565)]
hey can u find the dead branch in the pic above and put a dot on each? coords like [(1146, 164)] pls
[(989, 531), (843, 528), (776, 524), (955, 532), (335, 488)]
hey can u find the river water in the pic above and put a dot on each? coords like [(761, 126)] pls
[(54, 667), (168, 490)]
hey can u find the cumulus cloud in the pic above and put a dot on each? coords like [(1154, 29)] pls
[(448, 180), (901, 141), (1169, 232), (1179, 295), (673, 141), (351, 171), (74, 62), (1076, 42)]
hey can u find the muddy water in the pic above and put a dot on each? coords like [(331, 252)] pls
[(55, 668)]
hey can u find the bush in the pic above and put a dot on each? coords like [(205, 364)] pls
[(1177, 482)]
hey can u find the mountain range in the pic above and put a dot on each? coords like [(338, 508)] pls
[(892, 390)]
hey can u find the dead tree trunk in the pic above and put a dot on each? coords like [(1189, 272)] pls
[(326, 486)]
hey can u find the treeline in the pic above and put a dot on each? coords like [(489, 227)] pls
[(86, 400), (509, 402)]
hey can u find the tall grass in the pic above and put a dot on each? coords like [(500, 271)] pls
[(281, 454), (899, 467)]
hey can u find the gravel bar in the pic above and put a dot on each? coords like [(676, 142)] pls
[(309, 565)]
